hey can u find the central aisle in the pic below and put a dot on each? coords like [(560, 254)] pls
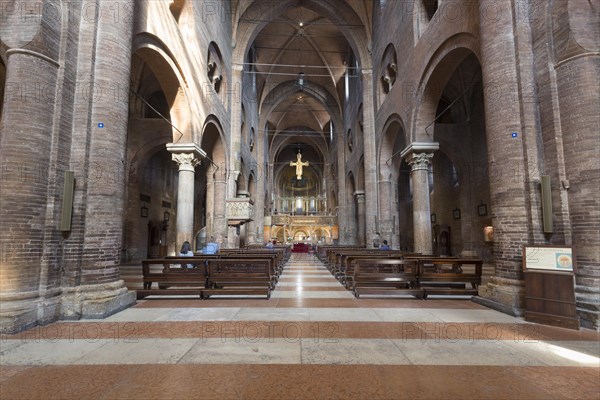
[(311, 340), (305, 277)]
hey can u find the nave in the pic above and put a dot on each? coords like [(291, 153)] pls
[(311, 340)]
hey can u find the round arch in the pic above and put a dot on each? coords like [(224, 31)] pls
[(439, 69), (392, 142), (170, 78)]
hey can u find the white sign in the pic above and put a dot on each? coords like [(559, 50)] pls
[(548, 258)]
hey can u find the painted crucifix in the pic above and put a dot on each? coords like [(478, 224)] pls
[(299, 164)]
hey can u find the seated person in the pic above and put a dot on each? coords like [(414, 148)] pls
[(186, 251), (269, 245), (385, 246)]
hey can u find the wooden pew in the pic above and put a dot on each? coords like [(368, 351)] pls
[(347, 263), (276, 259), (377, 276), (168, 272), (450, 276), (238, 276)]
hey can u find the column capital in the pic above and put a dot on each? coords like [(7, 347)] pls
[(419, 161), (360, 195), (186, 161), (419, 155), (420, 147), (186, 148), (186, 155)]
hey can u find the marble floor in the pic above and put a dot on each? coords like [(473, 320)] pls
[(311, 340)]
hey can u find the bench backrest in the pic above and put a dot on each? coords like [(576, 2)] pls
[(239, 266), (175, 262), (385, 266)]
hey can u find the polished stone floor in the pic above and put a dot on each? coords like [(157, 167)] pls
[(311, 340)]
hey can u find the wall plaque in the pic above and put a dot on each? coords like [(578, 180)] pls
[(553, 258)]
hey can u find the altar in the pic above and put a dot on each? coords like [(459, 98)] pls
[(301, 248)]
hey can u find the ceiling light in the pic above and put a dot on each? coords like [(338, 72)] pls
[(301, 24)]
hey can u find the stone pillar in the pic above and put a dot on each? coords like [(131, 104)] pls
[(510, 209), (385, 211), (210, 201), (370, 157), (100, 292), (360, 210), (219, 217), (187, 157), (575, 72), (26, 137), (419, 163)]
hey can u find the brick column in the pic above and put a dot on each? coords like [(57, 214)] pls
[(210, 201), (219, 218), (25, 141), (503, 115), (385, 211), (100, 291), (370, 157), (360, 210), (187, 157), (576, 71)]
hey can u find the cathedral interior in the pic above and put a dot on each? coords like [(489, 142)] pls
[(456, 129)]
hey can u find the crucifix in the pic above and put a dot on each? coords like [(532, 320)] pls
[(299, 164)]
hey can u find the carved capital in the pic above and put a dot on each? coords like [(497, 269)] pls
[(360, 196), (420, 161), (186, 161)]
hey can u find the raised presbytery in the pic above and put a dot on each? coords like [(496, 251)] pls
[(463, 133)]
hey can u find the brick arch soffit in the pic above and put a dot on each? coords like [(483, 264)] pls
[(360, 174), (351, 181), (456, 159), (251, 178), (339, 12), (146, 43), (283, 93), (435, 73), (145, 153), (214, 120), (278, 146), (286, 89), (242, 180), (387, 148), (247, 174)]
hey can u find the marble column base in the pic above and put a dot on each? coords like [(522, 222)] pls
[(233, 239), (252, 238), (96, 301), (19, 311), (504, 295), (588, 306)]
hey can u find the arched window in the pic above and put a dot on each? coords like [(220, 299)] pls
[(215, 69), (389, 69)]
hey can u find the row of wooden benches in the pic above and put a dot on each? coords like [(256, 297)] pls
[(377, 272), (238, 272)]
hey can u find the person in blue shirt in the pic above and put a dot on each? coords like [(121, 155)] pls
[(186, 251), (385, 246)]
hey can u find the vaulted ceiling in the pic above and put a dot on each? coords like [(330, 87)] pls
[(299, 60)]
